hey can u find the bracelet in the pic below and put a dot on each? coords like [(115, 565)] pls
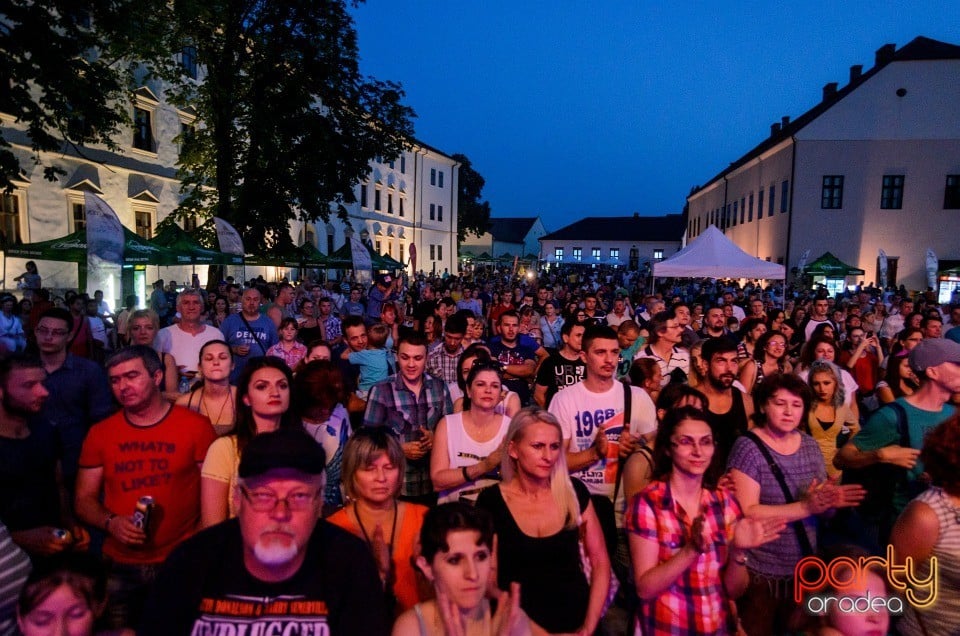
[(466, 477), (110, 517)]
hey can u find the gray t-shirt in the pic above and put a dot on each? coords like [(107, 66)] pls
[(777, 558)]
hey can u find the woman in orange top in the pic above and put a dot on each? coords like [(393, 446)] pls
[(373, 464)]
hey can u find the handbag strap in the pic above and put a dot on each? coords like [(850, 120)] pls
[(627, 413), (253, 333), (802, 537)]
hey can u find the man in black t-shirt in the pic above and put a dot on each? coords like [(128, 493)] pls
[(563, 368), (277, 568)]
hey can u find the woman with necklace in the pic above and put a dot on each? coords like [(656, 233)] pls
[(699, 574), (262, 405), (212, 395), (319, 398), (540, 513), (373, 467), (466, 448), (457, 557), (779, 473)]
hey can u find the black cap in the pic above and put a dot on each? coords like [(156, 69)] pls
[(292, 449)]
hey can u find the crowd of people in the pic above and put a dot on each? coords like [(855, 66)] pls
[(559, 454)]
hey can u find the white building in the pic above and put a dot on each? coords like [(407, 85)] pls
[(623, 241), (875, 165), (507, 236), (411, 201)]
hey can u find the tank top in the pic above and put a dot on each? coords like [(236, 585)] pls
[(463, 450), (730, 425)]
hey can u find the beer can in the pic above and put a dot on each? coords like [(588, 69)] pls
[(143, 513)]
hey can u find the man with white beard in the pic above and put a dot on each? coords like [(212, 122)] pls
[(277, 568)]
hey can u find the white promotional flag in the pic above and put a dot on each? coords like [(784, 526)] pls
[(884, 268), (105, 242), (933, 264), (229, 238), (361, 255)]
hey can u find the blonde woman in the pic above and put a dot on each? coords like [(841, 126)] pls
[(540, 513)]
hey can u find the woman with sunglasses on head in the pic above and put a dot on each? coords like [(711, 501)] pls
[(688, 539), (769, 358), (142, 329), (263, 405), (373, 467), (212, 395), (509, 403), (466, 449), (310, 328)]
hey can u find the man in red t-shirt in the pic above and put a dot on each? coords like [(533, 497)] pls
[(150, 448)]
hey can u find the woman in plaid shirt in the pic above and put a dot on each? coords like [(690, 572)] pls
[(688, 538)]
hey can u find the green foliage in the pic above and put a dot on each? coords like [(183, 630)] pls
[(286, 123), (473, 215)]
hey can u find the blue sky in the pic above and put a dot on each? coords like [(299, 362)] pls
[(573, 109)]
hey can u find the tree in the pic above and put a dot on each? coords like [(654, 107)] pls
[(66, 68), (473, 215), (287, 125)]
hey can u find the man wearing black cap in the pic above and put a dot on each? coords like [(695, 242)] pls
[(277, 568)]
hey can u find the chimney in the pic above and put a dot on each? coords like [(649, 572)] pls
[(784, 121), (855, 72), (774, 129), (829, 91), (885, 54)]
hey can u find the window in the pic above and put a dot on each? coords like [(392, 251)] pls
[(831, 194), (389, 203), (433, 176), (743, 209), (760, 204), (440, 179), (891, 196), (403, 170), (144, 224), (9, 219), (595, 252), (784, 192), (401, 206), (142, 129), (363, 195), (614, 253), (376, 199), (78, 215), (439, 252), (439, 212), (190, 224), (330, 249), (734, 212), (433, 252), (658, 254), (577, 254), (187, 134), (188, 60), (377, 246), (558, 254), (770, 199), (750, 210), (951, 194), (433, 212), (392, 165)]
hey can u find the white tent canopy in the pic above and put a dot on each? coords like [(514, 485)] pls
[(713, 255)]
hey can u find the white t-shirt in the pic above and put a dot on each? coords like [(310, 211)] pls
[(850, 385), (463, 450), (582, 412), (185, 347)]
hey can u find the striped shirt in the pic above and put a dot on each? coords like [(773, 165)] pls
[(14, 570), (679, 359)]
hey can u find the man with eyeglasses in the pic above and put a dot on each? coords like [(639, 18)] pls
[(277, 568), (153, 449), (79, 394)]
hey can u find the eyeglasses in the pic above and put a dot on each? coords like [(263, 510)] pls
[(689, 443), (265, 501), (43, 331), (487, 365)]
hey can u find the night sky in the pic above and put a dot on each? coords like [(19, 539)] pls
[(572, 109)]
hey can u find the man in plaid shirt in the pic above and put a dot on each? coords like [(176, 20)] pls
[(411, 403), (442, 361)]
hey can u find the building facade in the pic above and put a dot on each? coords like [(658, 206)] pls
[(627, 241), (507, 236), (875, 165)]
